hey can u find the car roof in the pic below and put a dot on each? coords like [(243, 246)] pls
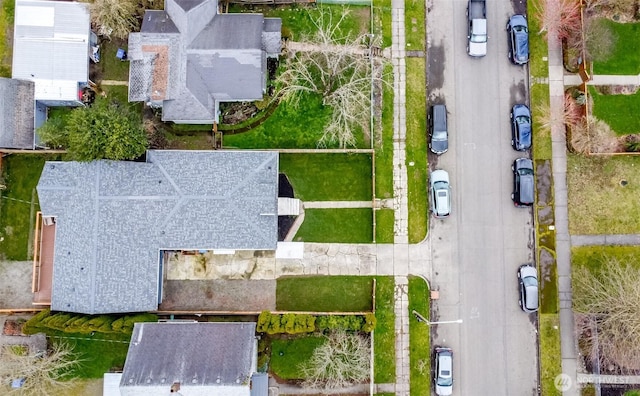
[(445, 363), (526, 188)]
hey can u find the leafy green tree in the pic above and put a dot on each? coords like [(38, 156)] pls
[(104, 130)]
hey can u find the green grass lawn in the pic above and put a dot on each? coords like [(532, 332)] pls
[(619, 111), (6, 25), (110, 67), (416, 149), (325, 294), (297, 18), (19, 203), (287, 127), (541, 136), (594, 257), (384, 337), (382, 20), (98, 354), (550, 359), (625, 58), (538, 48), (329, 177), (384, 225), (599, 204), (419, 349), (336, 225), (384, 140), (414, 14), (288, 354)]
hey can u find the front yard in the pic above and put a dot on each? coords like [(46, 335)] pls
[(625, 57)]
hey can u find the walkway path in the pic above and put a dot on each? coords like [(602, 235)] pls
[(574, 79), (563, 243), (612, 239)]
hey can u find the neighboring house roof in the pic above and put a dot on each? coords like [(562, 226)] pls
[(188, 58), (50, 47), (16, 114), (203, 358), (114, 217)]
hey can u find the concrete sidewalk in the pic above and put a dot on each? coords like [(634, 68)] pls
[(574, 79), (606, 240)]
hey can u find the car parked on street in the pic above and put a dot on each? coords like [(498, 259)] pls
[(438, 133), (528, 279), (520, 127), (440, 192), (523, 182), (443, 378), (518, 32)]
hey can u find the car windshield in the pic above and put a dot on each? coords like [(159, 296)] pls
[(478, 38), (440, 135), (525, 171), (440, 185), (448, 381), (530, 281)]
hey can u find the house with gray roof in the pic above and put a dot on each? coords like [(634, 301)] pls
[(51, 49), (16, 114), (193, 359), (188, 58), (113, 220)]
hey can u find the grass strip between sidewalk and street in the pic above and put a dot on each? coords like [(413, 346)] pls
[(384, 358), (419, 348)]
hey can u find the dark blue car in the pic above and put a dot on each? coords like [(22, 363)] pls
[(518, 39), (520, 127)]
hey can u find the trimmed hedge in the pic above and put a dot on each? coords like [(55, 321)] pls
[(291, 323), (84, 324)]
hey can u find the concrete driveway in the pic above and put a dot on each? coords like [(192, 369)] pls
[(476, 252)]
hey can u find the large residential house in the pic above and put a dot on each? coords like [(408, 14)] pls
[(188, 58), (114, 219)]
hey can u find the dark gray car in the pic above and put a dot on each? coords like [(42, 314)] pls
[(520, 127), (528, 280), (523, 182), (518, 39), (438, 133)]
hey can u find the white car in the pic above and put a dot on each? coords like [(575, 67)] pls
[(443, 378), (528, 279), (440, 192)]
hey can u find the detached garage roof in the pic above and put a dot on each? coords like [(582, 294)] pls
[(51, 47), (114, 217), (16, 114)]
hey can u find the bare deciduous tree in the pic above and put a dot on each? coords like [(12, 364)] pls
[(343, 360), (599, 39), (607, 302), (44, 374), (559, 19), (336, 67), (118, 18)]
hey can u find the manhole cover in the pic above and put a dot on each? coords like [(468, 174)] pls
[(623, 183)]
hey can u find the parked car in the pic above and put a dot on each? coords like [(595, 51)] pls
[(520, 127), (438, 133), (443, 378), (523, 182), (440, 191), (518, 39), (528, 279)]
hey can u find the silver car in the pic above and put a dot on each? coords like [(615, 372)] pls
[(440, 192), (528, 279), (443, 378)]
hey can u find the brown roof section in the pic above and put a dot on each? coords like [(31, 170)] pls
[(45, 237), (160, 70)]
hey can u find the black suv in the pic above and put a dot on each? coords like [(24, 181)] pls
[(523, 188), (518, 39)]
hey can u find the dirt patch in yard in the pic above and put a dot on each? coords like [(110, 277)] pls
[(219, 295)]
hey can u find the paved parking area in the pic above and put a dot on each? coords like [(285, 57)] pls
[(15, 284)]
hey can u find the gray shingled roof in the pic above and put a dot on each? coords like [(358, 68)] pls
[(50, 47), (218, 58), (16, 114), (113, 218), (205, 358)]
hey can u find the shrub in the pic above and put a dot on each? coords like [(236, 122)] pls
[(369, 323), (263, 321), (32, 325)]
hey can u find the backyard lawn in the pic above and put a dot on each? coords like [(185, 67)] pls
[(600, 204), (19, 203), (329, 177), (288, 354), (618, 111), (625, 57), (330, 294)]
